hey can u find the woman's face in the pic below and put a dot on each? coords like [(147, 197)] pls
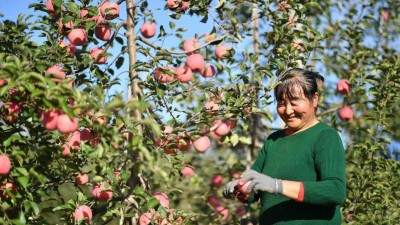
[(298, 113)]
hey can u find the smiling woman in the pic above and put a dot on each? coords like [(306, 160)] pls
[(299, 174)]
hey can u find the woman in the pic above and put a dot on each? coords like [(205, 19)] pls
[(299, 174)]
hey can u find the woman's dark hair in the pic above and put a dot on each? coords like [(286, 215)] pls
[(297, 79)]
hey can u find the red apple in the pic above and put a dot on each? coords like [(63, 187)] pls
[(103, 32), (184, 142), (66, 151), (187, 171), (217, 180), (5, 188), (195, 62), (56, 72), (82, 179), (83, 13), (202, 144), (86, 135), (50, 7), (184, 74), (165, 74), (102, 192), (163, 198), (222, 52), (213, 200), (83, 212), (243, 187), (49, 119), (222, 213), (208, 71), (64, 26), (65, 124), (13, 110), (240, 211), (3, 82), (77, 37), (222, 127), (95, 55), (178, 5), (211, 107), (145, 218), (5, 165), (148, 30), (109, 10), (343, 86), (345, 113), (190, 44)]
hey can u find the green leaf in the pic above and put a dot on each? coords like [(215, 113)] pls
[(234, 139), (220, 4), (153, 202), (171, 24), (120, 62), (23, 181), (73, 7)]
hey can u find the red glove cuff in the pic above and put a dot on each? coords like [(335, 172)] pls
[(300, 197)]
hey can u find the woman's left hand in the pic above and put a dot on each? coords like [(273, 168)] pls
[(261, 182)]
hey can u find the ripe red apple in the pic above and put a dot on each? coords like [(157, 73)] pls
[(221, 212), (148, 29), (345, 113), (74, 140), (184, 74), (3, 82), (102, 192), (5, 165), (217, 180), (82, 179), (13, 110), (64, 27), (243, 187), (222, 52), (202, 144), (83, 13), (145, 218), (109, 10), (163, 198), (343, 86), (184, 142), (86, 135), (56, 72), (222, 127), (95, 55), (65, 124), (190, 45), (213, 200), (49, 119), (385, 15), (165, 74), (77, 37), (178, 5), (50, 7), (6, 188), (66, 151), (195, 62), (187, 171), (208, 71), (211, 107), (83, 212), (103, 32)]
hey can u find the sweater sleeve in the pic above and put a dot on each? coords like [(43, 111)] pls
[(329, 160), (257, 166)]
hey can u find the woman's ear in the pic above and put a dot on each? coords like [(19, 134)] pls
[(315, 99)]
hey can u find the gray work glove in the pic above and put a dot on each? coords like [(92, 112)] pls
[(261, 182), (230, 189)]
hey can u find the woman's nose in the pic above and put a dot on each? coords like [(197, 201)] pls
[(288, 109)]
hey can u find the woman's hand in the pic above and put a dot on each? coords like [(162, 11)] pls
[(230, 189), (261, 182)]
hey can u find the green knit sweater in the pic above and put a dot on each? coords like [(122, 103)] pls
[(315, 157)]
